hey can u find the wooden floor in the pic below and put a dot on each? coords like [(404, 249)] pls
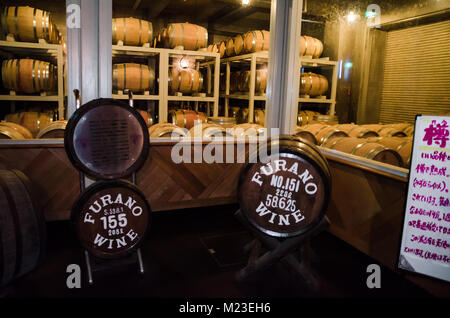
[(196, 253)]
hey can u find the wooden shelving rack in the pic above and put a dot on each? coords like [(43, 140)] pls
[(204, 59), (262, 57), (37, 50)]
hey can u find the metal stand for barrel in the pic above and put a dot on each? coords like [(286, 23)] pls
[(107, 264), (280, 249)]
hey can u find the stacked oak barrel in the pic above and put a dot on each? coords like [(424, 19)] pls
[(391, 144)]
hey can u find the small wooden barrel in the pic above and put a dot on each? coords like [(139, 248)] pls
[(209, 131), (20, 129), (406, 128), (235, 78), (131, 31), (147, 116), (222, 47), (255, 41), (325, 119), (29, 24), (385, 131), (13, 118), (305, 117), (242, 116), (403, 146), (7, 132), (306, 135), (233, 112), (313, 84), (190, 36), (132, 76), (111, 218), (288, 193), (225, 122), (248, 130), (364, 148), (22, 229), (54, 130), (186, 118), (259, 117), (166, 130), (186, 81), (212, 48), (324, 132), (28, 75), (357, 131), (310, 46), (34, 121), (260, 81), (235, 45)]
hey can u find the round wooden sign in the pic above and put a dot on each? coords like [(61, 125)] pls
[(106, 139), (111, 218), (289, 193)]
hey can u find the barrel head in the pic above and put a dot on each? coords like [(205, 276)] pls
[(287, 195), (106, 139), (111, 218)]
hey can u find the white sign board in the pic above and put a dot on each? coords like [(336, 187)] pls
[(425, 245)]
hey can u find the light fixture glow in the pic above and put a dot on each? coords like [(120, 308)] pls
[(184, 63), (351, 17), (245, 2)]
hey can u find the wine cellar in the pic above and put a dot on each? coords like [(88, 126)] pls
[(207, 142)]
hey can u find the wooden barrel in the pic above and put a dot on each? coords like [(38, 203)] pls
[(324, 132), (235, 78), (287, 194), (406, 128), (117, 226), (186, 118), (54, 130), (222, 48), (306, 135), (166, 130), (29, 24), (7, 132), (209, 131), (255, 41), (13, 117), (242, 115), (365, 148), (248, 130), (233, 112), (22, 227), (403, 146), (132, 76), (357, 131), (310, 46), (131, 31), (34, 121), (28, 75), (235, 45), (259, 117), (186, 81), (190, 36), (385, 131), (225, 122), (305, 117), (260, 81), (147, 116), (20, 129), (325, 119), (313, 84), (212, 48)]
